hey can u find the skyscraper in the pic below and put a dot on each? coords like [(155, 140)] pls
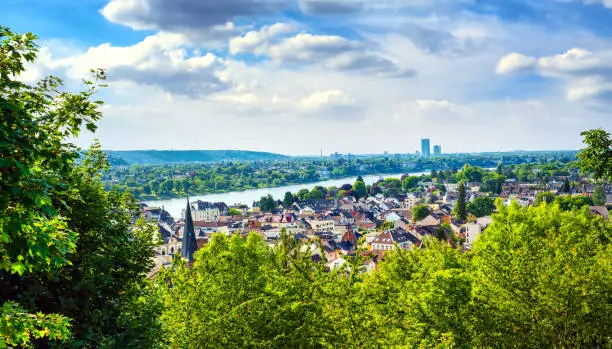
[(425, 149), (437, 149)]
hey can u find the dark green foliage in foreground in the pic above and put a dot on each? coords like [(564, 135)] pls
[(72, 264)]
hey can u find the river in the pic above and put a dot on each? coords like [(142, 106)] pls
[(175, 206)]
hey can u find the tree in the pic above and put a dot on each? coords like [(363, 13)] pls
[(420, 298), (597, 156), (67, 246), (288, 200), (302, 194), (481, 206), (539, 272), (546, 196), (410, 182), (263, 295), (599, 196), (419, 212), (565, 187), (267, 203), (234, 212), (359, 188), (570, 203), (391, 187), (460, 210), (315, 194)]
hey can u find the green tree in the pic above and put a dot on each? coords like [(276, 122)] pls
[(410, 182), (419, 212), (67, 246), (460, 210), (315, 194), (264, 297), (359, 188), (481, 206), (565, 187), (546, 196), (569, 203), (288, 200), (234, 212), (302, 194), (420, 298), (540, 273), (267, 203), (597, 156), (599, 196)]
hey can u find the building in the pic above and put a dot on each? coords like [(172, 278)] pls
[(425, 148), (437, 149), (208, 211), (387, 240), (189, 245)]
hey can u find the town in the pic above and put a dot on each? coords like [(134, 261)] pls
[(369, 220)]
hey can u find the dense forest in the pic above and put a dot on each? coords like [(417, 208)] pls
[(74, 260), (177, 180)]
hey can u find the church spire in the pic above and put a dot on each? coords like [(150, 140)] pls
[(189, 239)]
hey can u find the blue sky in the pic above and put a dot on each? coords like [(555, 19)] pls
[(295, 76)]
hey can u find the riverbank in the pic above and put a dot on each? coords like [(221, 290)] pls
[(175, 205), (176, 195)]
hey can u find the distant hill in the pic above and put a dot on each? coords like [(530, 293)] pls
[(133, 157)]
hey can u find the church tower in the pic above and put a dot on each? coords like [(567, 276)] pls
[(189, 239)]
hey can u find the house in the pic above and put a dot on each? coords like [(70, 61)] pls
[(392, 217), (431, 220), (403, 223), (450, 198), (207, 211), (387, 240), (322, 225), (472, 231)]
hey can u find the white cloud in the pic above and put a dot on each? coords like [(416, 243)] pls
[(515, 62), (160, 60), (587, 75), (326, 99), (257, 41), (331, 52)]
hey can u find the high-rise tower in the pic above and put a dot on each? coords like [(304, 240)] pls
[(425, 148)]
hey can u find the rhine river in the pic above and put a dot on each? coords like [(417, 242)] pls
[(175, 206)]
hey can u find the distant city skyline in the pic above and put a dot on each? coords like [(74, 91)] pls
[(354, 76)]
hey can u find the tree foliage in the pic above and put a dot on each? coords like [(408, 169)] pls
[(460, 210), (543, 275), (359, 188), (597, 156), (71, 263), (267, 203), (546, 196), (419, 212), (599, 196), (481, 206)]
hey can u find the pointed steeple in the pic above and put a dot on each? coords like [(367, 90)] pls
[(189, 239)]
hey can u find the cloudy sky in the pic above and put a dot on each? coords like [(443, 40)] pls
[(298, 76)]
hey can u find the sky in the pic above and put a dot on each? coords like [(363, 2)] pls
[(299, 77)]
